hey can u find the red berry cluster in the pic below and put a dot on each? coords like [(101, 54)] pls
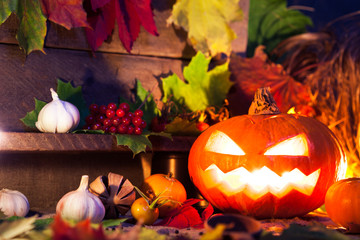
[(113, 119)]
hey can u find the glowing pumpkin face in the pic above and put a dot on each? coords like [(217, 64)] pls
[(266, 165)]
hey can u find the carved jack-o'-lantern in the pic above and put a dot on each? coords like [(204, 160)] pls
[(266, 164)]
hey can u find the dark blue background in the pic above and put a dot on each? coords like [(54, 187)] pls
[(326, 11)]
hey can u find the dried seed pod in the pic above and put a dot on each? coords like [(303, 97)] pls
[(116, 193)]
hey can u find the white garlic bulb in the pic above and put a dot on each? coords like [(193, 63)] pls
[(13, 203), (80, 204), (57, 116)]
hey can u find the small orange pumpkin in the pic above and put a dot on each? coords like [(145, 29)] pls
[(266, 164), (342, 204), (169, 187)]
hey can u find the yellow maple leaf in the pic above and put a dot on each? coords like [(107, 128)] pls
[(207, 23)]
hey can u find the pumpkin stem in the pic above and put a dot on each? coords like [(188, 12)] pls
[(263, 103)]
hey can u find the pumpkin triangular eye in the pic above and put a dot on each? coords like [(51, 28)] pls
[(219, 142), (295, 146)]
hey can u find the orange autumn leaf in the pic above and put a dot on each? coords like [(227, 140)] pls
[(80, 231), (249, 74)]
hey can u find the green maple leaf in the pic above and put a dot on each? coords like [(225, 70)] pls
[(207, 23), (203, 88), (66, 92), (270, 22)]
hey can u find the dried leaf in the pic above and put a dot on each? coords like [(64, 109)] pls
[(250, 74)]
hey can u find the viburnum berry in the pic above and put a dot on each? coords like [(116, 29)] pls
[(143, 124), (137, 130), (137, 121), (94, 108), (110, 113), (102, 109), (111, 106), (120, 112), (130, 130), (125, 107), (90, 119), (107, 122), (122, 128), (126, 120), (96, 126), (139, 113), (112, 129), (100, 119)]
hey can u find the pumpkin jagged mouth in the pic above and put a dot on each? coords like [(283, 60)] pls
[(260, 182)]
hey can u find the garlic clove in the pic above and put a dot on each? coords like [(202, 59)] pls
[(13, 203), (80, 204), (58, 116)]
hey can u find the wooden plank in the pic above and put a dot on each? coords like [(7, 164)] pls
[(171, 42), (70, 142), (103, 77)]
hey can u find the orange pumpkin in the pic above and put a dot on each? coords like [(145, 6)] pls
[(342, 204), (266, 164), (170, 189)]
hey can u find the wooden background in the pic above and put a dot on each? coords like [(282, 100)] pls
[(53, 165)]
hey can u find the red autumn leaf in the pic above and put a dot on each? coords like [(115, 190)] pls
[(68, 13), (102, 23), (250, 74), (129, 15), (187, 216), (95, 4), (81, 231)]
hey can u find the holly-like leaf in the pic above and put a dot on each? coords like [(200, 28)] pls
[(31, 117), (202, 88), (66, 92), (271, 21), (253, 73), (138, 143), (32, 28), (207, 23), (130, 16), (67, 13)]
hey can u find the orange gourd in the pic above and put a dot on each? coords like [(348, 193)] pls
[(342, 204), (266, 164), (170, 189)]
